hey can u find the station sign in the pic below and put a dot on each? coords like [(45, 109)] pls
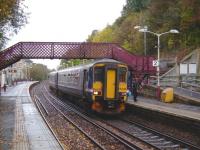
[(155, 63)]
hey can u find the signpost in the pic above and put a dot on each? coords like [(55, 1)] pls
[(155, 63)]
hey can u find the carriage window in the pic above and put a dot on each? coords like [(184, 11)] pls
[(122, 74), (98, 74)]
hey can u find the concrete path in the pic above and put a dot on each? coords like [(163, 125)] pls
[(21, 126)]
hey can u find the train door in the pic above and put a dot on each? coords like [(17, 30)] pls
[(85, 80), (110, 84), (56, 80), (56, 83)]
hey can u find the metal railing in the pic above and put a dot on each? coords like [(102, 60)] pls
[(75, 50), (184, 91), (191, 86), (191, 82)]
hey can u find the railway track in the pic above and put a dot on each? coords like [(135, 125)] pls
[(161, 140), (50, 110), (153, 138), (100, 136), (124, 131)]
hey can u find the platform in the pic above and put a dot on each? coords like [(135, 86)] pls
[(21, 126), (175, 109), (188, 95)]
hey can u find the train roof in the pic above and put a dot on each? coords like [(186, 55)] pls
[(105, 60), (89, 64)]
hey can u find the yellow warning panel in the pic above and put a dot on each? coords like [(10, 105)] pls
[(167, 95), (110, 88), (122, 87), (97, 85)]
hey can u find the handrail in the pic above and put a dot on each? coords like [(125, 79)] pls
[(190, 84), (75, 50)]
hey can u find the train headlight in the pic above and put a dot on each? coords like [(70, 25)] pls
[(97, 92)]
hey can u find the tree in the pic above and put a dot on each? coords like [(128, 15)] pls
[(39, 72), (69, 63), (72, 62), (93, 34), (134, 6), (160, 16), (12, 18), (182, 15), (127, 36), (190, 22), (106, 35)]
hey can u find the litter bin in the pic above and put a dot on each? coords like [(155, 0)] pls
[(167, 95)]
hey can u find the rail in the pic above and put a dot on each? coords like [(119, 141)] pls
[(170, 142), (192, 81), (175, 142), (190, 85), (58, 104), (188, 92)]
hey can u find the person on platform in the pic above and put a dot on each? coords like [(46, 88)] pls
[(134, 90), (4, 87), (137, 84)]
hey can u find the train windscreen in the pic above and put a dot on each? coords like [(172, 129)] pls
[(122, 74), (99, 74)]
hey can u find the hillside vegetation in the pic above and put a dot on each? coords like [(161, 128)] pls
[(160, 16), (12, 18)]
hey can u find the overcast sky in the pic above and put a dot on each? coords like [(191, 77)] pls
[(66, 20)]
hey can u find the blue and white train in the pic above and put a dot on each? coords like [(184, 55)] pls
[(102, 84)]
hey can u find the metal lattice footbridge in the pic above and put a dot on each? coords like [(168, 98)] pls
[(74, 50)]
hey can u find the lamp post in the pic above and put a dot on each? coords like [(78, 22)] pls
[(145, 37), (145, 30)]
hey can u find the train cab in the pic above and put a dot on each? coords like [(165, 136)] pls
[(109, 87)]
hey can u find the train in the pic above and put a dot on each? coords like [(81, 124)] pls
[(101, 83)]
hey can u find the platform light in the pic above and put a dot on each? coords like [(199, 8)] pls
[(145, 30), (174, 31), (95, 92)]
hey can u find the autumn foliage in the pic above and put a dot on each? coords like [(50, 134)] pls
[(160, 16), (12, 18)]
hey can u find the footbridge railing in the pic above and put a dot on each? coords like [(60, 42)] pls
[(74, 50)]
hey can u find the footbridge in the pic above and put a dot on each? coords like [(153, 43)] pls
[(75, 50)]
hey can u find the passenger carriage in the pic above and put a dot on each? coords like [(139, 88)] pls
[(102, 83)]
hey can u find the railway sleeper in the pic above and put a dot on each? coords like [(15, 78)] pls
[(154, 137), (167, 143), (138, 132), (145, 138), (136, 129), (151, 137), (143, 135), (152, 140), (171, 146)]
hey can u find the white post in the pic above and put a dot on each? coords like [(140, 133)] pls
[(158, 67), (145, 41)]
